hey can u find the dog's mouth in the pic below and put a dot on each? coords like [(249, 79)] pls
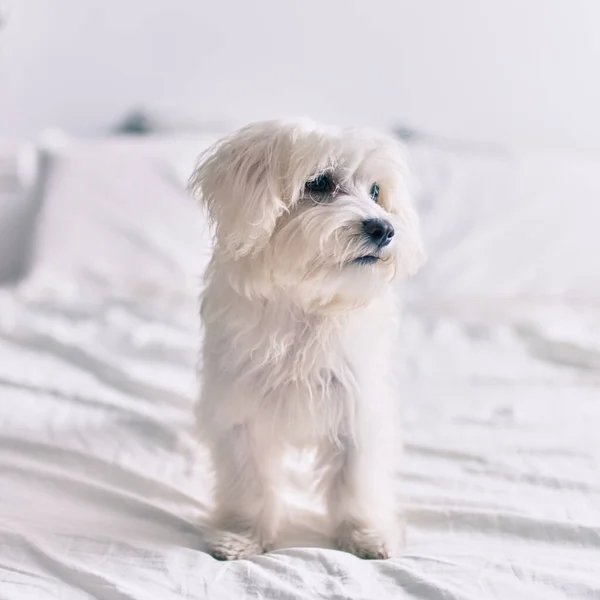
[(368, 259)]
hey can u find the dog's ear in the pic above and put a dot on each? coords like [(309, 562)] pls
[(239, 181)]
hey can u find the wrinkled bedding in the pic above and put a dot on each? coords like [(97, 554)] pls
[(103, 488)]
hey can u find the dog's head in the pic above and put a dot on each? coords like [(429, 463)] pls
[(318, 213)]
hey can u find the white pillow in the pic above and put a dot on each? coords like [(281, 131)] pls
[(508, 224), (115, 219)]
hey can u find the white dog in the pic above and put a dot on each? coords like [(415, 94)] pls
[(311, 226)]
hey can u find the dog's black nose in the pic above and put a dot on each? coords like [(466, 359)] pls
[(380, 232)]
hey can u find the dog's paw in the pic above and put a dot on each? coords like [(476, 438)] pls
[(363, 542), (227, 545)]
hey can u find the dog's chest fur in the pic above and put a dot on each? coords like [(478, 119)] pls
[(301, 372)]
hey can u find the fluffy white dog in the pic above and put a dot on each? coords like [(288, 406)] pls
[(312, 224)]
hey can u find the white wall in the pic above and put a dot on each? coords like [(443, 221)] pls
[(526, 70)]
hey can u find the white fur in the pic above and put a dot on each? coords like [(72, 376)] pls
[(299, 340)]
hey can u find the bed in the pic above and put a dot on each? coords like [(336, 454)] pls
[(103, 488)]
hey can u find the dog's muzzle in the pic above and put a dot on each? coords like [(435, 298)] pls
[(379, 233)]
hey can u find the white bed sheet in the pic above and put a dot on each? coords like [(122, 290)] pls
[(103, 489)]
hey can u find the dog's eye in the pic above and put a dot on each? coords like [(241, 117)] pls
[(374, 193), (321, 183)]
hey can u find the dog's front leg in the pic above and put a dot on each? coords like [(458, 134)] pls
[(247, 509), (359, 493)]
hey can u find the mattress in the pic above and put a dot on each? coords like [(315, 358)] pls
[(104, 489)]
